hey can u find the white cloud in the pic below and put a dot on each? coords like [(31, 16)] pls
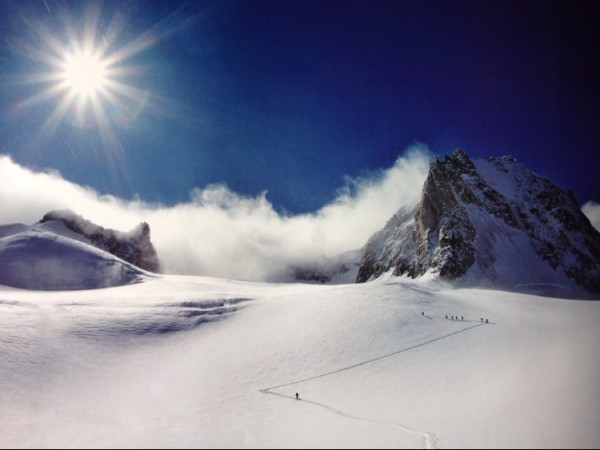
[(220, 233), (592, 211)]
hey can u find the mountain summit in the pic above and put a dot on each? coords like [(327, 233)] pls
[(134, 246), (490, 223)]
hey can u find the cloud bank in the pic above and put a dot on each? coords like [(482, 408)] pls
[(221, 233), (592, 211)]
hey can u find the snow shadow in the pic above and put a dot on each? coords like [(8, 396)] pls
[(97, 323)]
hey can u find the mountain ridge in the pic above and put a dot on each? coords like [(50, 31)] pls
[(66, 252), (134, 246)]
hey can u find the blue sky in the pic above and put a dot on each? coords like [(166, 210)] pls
[(290, 97)]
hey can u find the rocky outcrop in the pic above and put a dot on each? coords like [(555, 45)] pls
[(341, 269), (482, 220), (134, 247)]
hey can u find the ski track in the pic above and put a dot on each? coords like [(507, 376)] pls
[(430, 439)]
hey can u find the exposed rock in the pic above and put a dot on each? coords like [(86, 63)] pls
[(483, 222), (342, 268), (134, 247)]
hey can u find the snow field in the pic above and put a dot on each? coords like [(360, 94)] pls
[(198, 362)]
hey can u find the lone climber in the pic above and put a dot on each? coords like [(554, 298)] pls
[(297, 396)]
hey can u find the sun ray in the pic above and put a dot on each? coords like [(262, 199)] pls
[(90, 79), (56, 117), (82, 70)]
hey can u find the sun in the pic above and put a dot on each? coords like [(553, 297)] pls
[(88, 76), (85, 74)]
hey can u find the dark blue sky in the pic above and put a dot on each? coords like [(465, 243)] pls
[(291, 96)]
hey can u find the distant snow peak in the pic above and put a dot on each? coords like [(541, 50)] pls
[(134, 246), (492, 223)]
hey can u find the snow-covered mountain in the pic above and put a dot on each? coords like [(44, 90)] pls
[(67, 252), (134, 246), (490, 223)]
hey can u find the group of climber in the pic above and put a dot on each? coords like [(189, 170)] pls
[(461, 318)]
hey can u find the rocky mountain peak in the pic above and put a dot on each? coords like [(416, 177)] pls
[(481, 222), (134, 246)]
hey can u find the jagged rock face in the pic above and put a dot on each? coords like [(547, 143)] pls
[(134, 247), (485, 221), (393, 247), (436, 234), (445, 234)]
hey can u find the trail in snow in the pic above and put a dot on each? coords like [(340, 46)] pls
[(431, 440), (431, 341)]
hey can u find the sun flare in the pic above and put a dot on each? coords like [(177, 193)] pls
[(90, 75), (85, 74)]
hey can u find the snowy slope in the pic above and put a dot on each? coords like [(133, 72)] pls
[(50, 256), (198, 362)]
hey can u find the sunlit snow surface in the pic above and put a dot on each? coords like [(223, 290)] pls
[(199, 362)]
